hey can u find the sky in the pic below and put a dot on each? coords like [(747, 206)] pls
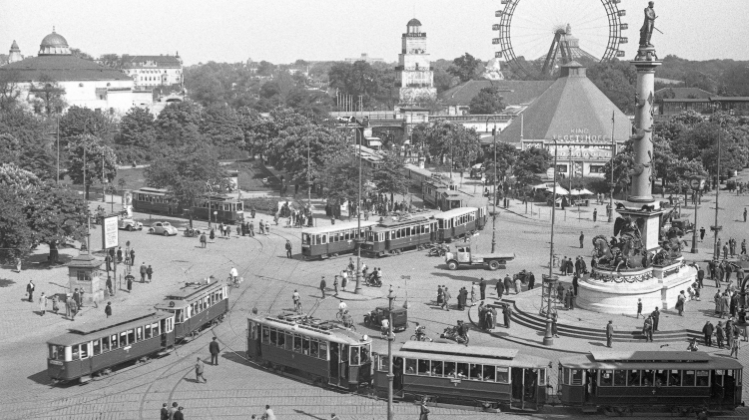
[(282, 31)]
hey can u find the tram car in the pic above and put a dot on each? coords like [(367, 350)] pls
[(459, 223), (158, 201), (627, 382), (485, 377), (330, 241), (154, 201), (196, 306), (417, 175), (94, 348), (439, 194), (395, 236), (320, 352)]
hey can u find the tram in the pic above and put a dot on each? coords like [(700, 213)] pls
[(321, 352), (624, 382), (485, 377), (395, 236), (154, 200), (221, 207), (459, 223), (330, 241), (94, 348), (195, 307)]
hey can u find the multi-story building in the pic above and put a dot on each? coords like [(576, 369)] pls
[(154, 70), (414, 75)]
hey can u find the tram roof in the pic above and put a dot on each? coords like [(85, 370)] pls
[(92, 330), (185, 295), (150, 190), (321, 330), (403, 222), (455, 212), (650, 360), (460, 354), (448, 348), (338, 226)]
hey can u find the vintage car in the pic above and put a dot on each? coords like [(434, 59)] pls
[(400, 318), (162, 228), (127, 223)]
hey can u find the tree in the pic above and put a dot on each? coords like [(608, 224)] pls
[(15, 234), (372, 83), (446, 141), (9, 89), (112, 60), (531, 162), (623, 163), (99, 161), (388, 175), (341, 177), (79, 121), (487, 101), (464, 67), (220, 126), (255, 129), (178, 124), (136, 136), (35, 148), (76, 52), (48, 96), (507, 155), (315, 104), (617, 80)]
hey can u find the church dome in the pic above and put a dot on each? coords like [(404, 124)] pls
[(54, 44), (413, 22)]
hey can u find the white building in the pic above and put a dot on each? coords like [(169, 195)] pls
[(56, 72), (414, 76), (154, 70)]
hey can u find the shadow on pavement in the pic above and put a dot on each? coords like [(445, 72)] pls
[(454, 277), (596, 343), (308, 414), (42, 378), (6, 282)]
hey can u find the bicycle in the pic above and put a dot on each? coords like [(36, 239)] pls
[(298, 306), (341, 315), (419, 334), (234, 281)]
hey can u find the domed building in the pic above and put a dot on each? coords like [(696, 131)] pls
[(57, 79)]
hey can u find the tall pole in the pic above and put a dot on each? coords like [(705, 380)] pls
[(58, 149), (716, 251), (548, 337), (613, 155), (494, 199), (85, 196), (390, 338), (694, 230), (357, 290), (309, 184)]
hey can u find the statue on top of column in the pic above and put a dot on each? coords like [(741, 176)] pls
[(648, 26)]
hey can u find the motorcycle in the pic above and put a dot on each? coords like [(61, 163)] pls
[(438, 250), (373, 280), (420, 334), (451, 333)]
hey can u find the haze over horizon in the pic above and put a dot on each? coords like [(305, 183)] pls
[(283, 31)]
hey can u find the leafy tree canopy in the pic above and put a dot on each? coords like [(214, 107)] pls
[(465, 67), (488, 101)]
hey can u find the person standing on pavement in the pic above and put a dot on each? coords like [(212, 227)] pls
[(639, 308), (42, 304), (73, 307), (500, 288), (55, 308), (743, 247), (508, 283), (143, 268), (178, 415), (507, 312), (108, 309), (656, 314), (702, 233), (745, 214), (164, 412), (718, 302), (517, 285), (582, 238), (215, 350), (575, 283), (30, 290), (203, 240), (446, 299), (288, 248), (199, 368), (109, 285), (173, 410), (532, 281), (700, 276), (423, 410), (149, 272), (119, 254), (132, 257), (482, 288), (322, 286), (707, 331), (108, 263), (269, 415), (609, 333), (735, 345), (719, 334), (335, 285), (473, 293), (595, 214)]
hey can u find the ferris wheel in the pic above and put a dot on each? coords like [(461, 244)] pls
[(536, 35)]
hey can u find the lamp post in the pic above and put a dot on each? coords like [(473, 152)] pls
[(548, 337), (357, 290), (716, 228), (696, 184), (494, 196), (613, 155), (390, 339)]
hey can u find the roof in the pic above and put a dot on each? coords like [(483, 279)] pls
[(682, 93), (413, 22), (63, 68), (390, 223), (115, 324), (160, 61), (85, 261), (514, 92), (338, 226), (688, 356), (54, 40), (192, 290), (418, 170), (729, 98), (450, 352), (14, 46), (314, 328), (571, 105), (685, 100), (455, 212), (448, 348), (643, 360)]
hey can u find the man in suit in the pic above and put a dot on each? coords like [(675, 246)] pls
[(707, 330), (609, 333), (143, 269), (656, 315), (482, 288), (215, 350), (30, 290)]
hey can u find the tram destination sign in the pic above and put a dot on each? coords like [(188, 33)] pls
[(109, 232)]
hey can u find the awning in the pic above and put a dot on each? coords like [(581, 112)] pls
[(583, 191), (539, 187), (560, 190)]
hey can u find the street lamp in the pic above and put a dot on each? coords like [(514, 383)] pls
[(611, 184), (357, 289), (548, 337), (716, 228), (696, 184), (494, 199), (390, 339)]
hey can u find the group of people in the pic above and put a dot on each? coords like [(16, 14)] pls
[(128, 257), (73, 301), (295, 218), (568, 267), (729, 248), (730, 334)]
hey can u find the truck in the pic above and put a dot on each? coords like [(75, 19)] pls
[(464, 257)]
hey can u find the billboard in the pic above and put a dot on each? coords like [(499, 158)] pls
[(109, 232)]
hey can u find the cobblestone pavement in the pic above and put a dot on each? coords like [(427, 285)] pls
[(237, 388)]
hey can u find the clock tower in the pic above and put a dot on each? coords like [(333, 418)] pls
[(414, 75)]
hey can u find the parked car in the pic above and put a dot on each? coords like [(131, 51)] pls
[(400, 318), (129, 224), (162, 228)]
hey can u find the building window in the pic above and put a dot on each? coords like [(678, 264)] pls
[(596, 169)]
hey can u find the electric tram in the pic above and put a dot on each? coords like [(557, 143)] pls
[(221, 207)]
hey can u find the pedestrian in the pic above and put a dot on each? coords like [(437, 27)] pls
[(473, 293), (423, 410), (555, 325), (656, 314), (440, 296), (446, 301), (164, 412), (500, 288), (702, 233), (595, 214), (693, 345), (215, 350), (173, 410), (132, 256), (212, 234), (700, 276), (30, 290), (129, 279), (707, 331), (109, 285), (149, 272), (288, 248), (42, 304), (719, 334), (143, 269), (680, 299), (482, 288), (508, 284), (575, 283), (73, 307), (55, 308), (507, 311), (199, 368), (745, 214), (572, 299), (108, 262), (178, 415), (639, 308), (725, 251), (582, 238), (108, 309), (609, 333), (648, 329), (251, 226), (119, 254), (322, 286), (518, 287), (335, 285), (743, 247), (735, 345), (724, 305), (203, 240), (560, 292)]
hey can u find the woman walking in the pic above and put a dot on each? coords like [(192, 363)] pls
[(735, 348), (43, 304)]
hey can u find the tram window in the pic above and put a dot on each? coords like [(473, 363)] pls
[(289, 341), (297, 344), (647, 378), (449, 369), (475, 372), (462, 370), (115, 342), (633, 378), (56, 352), (139, 333), (661, 377), (322, 239), (84, 351), (305, 346), (490, 373), (148, 332), (123, 339), (305, 239), (382, 363), (314, 348), (411, 366), (674, 378), (703, 377), (273, 336), (424, 368), (365, 353), (355, 356), (347, 235), (281, 339), (436, 368), (688, 378), (503, 375), (620, 378), (606, 378), (75, 352), (266, 335), (576, 377), (155, 327), (97, 347), (542, 377), (104, 344)]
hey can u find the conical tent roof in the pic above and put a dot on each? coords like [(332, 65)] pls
[(572, 106)]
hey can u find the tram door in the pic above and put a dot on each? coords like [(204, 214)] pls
[(516, 376), (524, 388), (333, 364)]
